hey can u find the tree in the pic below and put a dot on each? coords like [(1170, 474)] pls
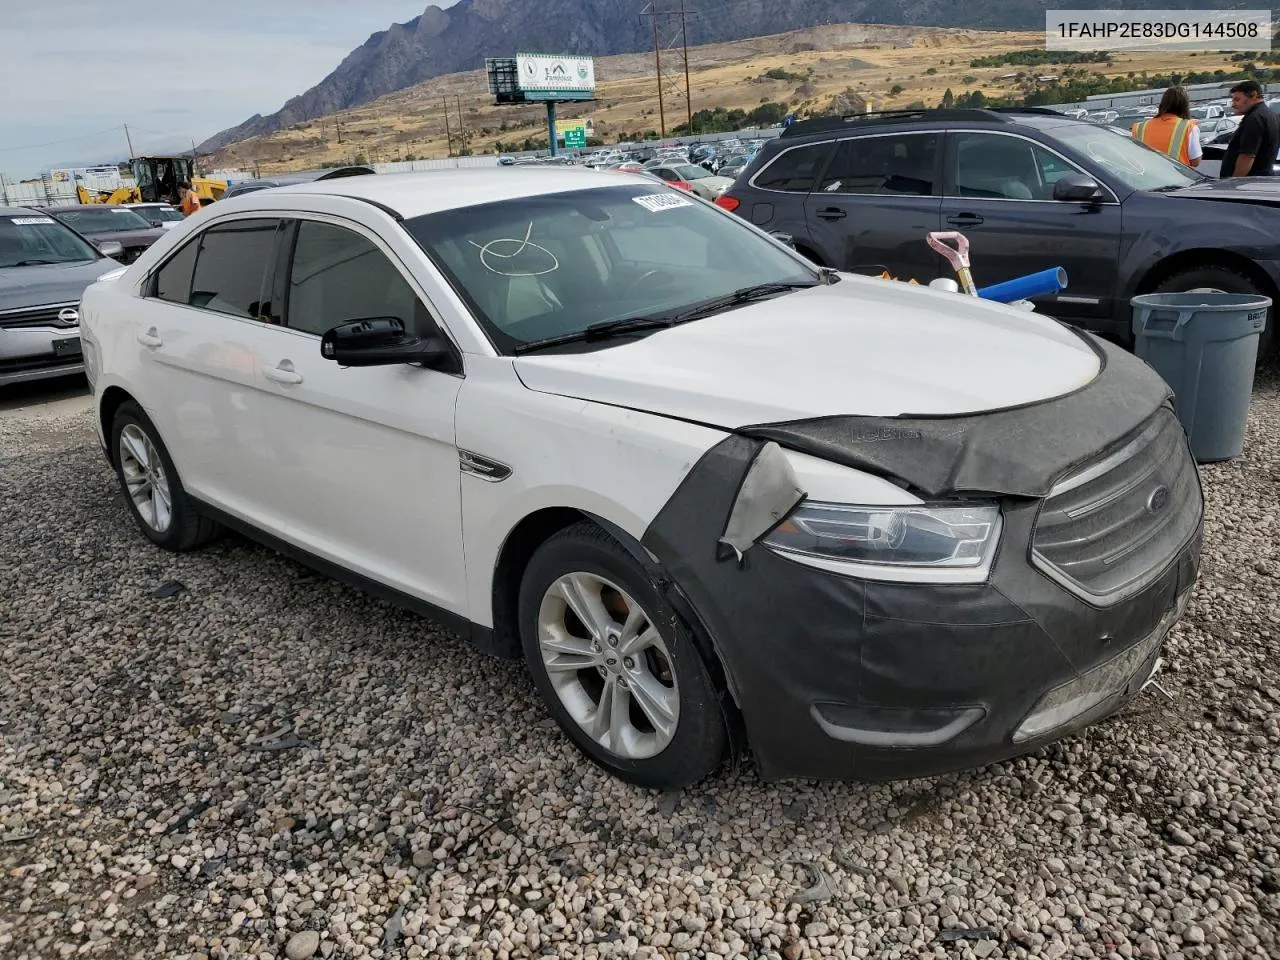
[(931, 71), (948, 99), (896, 89)]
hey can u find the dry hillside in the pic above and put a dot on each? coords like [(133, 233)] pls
[(870, 60)]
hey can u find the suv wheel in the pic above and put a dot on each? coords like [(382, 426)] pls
[(615, 665), (1220, 278), (151, 487)]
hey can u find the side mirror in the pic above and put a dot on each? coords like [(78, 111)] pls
[(111, 248), (1077, 188), (781, 237), (380, 341)]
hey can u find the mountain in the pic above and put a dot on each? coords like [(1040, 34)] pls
[(459, 38)]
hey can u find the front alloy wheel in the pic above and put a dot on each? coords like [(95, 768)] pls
[(608, 665), (615, 664)]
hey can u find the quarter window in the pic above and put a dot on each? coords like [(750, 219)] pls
[(884, 165), (337, 275), (1005, 168), (794, 170)]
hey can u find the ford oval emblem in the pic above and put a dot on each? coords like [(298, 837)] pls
[(1158, 499), (69, 316)]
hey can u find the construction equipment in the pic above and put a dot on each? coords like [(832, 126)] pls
[(156, 180)]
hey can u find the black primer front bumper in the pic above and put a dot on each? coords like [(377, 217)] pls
[(845, 678), (855, 679)]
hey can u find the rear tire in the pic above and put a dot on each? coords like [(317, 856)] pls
[(151, 486), (1220, 278), (624, 679)]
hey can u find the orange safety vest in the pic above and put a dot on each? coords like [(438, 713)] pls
[(1168, 134), (190, 202)]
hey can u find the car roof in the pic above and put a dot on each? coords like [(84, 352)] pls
[(16, 211), (434, 191), (1006, 118)]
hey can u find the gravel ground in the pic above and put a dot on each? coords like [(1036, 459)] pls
[(267, 764)]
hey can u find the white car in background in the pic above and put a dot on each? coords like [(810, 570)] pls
[(717, 497)]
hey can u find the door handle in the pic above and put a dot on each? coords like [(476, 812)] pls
[(150, 339), (964, 220), (283, 372), (832, 213)]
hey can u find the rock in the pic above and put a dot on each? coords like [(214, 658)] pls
[(816, 929), (302, 945), (1181, 837)]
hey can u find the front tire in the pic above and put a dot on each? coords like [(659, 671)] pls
[(151, 486), (615, 665), (1220, 278)]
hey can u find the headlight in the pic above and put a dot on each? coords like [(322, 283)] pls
[(947, 544)]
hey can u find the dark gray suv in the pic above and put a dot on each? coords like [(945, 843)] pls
[(1031, 189)]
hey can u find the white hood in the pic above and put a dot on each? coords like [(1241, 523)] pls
[(861, 347)]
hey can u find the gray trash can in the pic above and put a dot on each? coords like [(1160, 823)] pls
[(1205, 346)]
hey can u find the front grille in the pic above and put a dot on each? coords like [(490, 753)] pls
[(1111, 528), (45, 316)]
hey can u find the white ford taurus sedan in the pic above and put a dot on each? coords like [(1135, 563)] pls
[(722, 501)]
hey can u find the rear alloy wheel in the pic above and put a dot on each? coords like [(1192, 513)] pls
[(1219, 278), (150, 483), (615, 666)]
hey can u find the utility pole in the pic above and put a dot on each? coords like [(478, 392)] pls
[(448, 130), (679, 40), (684, 42), (462, 130), (129, 140), (657, 56)]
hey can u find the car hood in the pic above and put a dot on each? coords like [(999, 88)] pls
[(862, 347), (36, 286), (1265, 190), (130, 238)]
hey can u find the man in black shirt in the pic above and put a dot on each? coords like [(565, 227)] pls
[(1252, 149)]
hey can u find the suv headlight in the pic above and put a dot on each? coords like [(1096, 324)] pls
[(920, 544)]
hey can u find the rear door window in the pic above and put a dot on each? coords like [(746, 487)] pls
[(232, 266), (795, 170), (896, 164)]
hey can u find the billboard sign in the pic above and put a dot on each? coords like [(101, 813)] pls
[(574, 133), (541, 74)]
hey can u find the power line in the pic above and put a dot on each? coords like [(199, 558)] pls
[(54, 143)]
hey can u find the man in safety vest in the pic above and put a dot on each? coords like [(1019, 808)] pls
[(190, 199), (1171, 130)]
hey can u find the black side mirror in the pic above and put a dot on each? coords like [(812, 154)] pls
[(380, 341), (1077, 188)]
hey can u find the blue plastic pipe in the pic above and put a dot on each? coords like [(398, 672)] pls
[(1025, 288)]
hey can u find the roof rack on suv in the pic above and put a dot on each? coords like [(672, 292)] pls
[(1037, 110), (823, 124)]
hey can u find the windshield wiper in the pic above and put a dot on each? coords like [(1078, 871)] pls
[(745, 295), (607, 329), (604, 330), (35, 263)]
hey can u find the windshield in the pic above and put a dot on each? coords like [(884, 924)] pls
[(547, 266), (40, 239), (1137, 166), (102, 219)]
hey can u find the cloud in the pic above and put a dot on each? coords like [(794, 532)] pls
[(174, 78)]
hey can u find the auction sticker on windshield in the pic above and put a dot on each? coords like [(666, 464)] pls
[(29, 221), (657, 202)]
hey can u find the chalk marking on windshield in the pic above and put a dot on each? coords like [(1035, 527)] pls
[(486, 251)]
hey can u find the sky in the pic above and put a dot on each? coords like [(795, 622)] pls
[(173, 73)]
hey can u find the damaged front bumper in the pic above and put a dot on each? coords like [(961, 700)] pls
[(847, 678)]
